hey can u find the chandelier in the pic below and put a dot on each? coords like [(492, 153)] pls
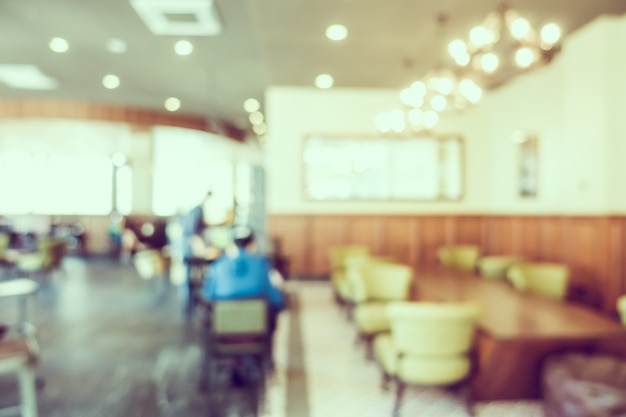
[(504, 45), (442, 90)]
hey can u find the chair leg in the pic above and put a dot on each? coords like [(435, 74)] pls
[(386, 380), (400, 386), (465, 391), (28, 392)]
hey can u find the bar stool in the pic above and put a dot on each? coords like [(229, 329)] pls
[(19, 356)]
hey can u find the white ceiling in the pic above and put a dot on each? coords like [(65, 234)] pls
[(263, 42)]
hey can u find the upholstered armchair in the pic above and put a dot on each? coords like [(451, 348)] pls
[(429, 344), (337, 256), (463, 257), (495, 267), (621, 308), (380, 283), (546, 279)]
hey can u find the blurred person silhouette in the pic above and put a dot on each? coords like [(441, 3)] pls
[(240, 273), (193, 244)]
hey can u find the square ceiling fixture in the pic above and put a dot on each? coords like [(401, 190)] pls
[(179, 17), (26, 77)]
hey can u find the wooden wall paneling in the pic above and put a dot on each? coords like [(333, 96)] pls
[(362, 230), (586, 255), (293, 233), (468, 230), (500, 239), (552, 239), (397, 239), (616, 264), (326, 231), (528, 242), (432, 235)]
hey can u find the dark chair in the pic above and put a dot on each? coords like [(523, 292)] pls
[(237, 335)]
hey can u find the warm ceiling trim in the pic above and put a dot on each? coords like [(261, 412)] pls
[(50, 109)]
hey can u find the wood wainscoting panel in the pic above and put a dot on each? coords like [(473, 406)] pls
[(528, 232), (615, 285), (363, 230), (293, 234), (552, 239), (500, 236), (468, 230), (593, 247), (325, 232), (398, 242), (586, 254), (431, 236)]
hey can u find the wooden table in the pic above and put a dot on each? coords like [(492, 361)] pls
[(518, 330)]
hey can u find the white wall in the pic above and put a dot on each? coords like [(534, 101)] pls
[(575, 106)]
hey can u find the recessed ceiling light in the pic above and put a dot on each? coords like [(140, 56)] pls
[(116, 46), (336, 32), (324, 81), (183, 47), (59, 45), (256, 117), (172, 104), (111, 81), (251, 105), (28, 77)]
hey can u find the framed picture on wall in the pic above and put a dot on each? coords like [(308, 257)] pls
[(528, 164)]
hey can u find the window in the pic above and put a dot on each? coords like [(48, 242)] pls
[(55, 184), (353, 168)]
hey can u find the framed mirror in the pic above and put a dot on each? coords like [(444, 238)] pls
[(422, 168)]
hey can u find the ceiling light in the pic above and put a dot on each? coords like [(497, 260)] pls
[(25, 76), (550, 34), (59, 45), (183, 47), (336, 32), (179, 17), (324, 81), (251, 105), (256, 117), (260, 129), (504, 39), (116, 46), (111, 81), (172, 104)]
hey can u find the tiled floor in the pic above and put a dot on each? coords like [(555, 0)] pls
[(342, 382)]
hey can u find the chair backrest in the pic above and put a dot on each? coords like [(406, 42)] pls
[(386, 281), (432, 328), (240, 317), (496, 266), (459, 256), (547, 279), (4, 242), (621, 307), (338, 254)]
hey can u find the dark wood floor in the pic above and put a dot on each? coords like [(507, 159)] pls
[(114, 345)]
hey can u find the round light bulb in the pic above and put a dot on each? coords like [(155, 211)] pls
[(336, 32), (59, 45), (397, 120), (116, 46), (438, 103), (431, 118), (520, 28), (457, 47), (382, 122), (251, 105), (183, 47), (481, 36), (172, 104), (256, 117), (416, 117), (550, 34), (324, 81), (489, 62), (524, 57), (118, 159), (111, 81)]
